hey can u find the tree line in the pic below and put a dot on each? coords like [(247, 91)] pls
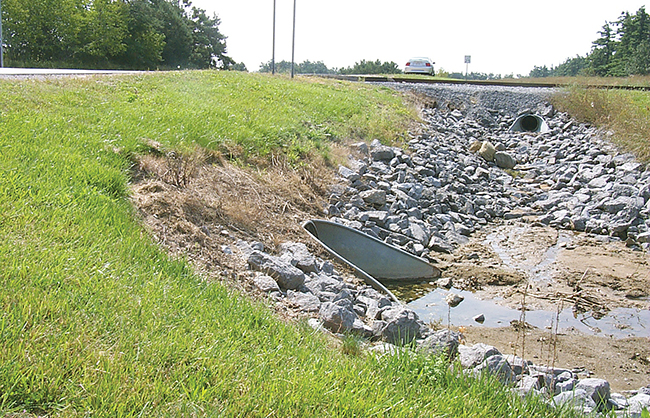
[(622, 49), (120, 34), (318, 67)]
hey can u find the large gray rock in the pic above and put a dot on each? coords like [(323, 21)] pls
[(530, 384), (374, 197), (518, 364), (578, 399), (473, 356), (497, 366), (287, 276), (360, 328), (402, 325), (599, 182), (565, 386), (337, 317), (378, 217), (348, 174), (373, 305), (637, 404), (643, 237), (306, 302), (597, 389), (440, 245), (266, 283), (618, 401), (380, 152), (418, 233), (618, 204), (504, 160), (298, 255), (323, 286), (444, 342)]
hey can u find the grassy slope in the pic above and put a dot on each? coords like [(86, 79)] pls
[(626, 113), (96, 320)]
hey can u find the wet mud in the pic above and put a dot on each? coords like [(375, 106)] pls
[(567, 299)]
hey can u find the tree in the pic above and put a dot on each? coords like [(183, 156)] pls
[(42, 31), (602, 53), (475, 76), (144, 44), (372, 67), (622, 49), (632, 47), (280, 67), (640, 61), (133, 34), (104, 33), (542, 71), (177, 28), (318, 67), (238, 66), (208, 44), (306, 67), (572, 67)]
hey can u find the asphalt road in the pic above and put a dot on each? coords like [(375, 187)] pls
[(44, 72)]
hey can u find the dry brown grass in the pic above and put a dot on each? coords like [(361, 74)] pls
[(265, 202), (223, 202), (636, 81), (625, 113)]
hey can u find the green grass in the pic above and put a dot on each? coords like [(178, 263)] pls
[(626, 113), (96, 320)]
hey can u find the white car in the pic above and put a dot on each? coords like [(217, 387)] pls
[(420, 65)]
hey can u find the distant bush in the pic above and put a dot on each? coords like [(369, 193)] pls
[(476, 76), (372, 67), (305, 67)]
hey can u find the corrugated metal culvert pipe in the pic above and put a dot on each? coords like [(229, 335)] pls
[(529, 122)]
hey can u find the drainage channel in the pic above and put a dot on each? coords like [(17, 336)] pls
[(619, 323), (429, 302)]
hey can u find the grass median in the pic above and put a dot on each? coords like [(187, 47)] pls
[(97, 320)]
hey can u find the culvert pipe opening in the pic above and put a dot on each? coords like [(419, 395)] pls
[(529, 123)]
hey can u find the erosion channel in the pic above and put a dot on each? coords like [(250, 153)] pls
[(544, 234)]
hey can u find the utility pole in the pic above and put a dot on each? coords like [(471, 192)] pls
[(2, 62), (273, 56), (293, 45)]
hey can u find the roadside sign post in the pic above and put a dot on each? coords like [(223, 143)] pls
[(468, 60), (273, 55), (2, 63), (293, 45)]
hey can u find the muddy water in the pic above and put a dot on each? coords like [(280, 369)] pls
[(619, 323), (546, 257), (538, 270)]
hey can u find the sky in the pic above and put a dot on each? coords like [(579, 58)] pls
[(501, 36)]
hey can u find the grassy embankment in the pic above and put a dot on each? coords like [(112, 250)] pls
[(625, 112), (96, 320)]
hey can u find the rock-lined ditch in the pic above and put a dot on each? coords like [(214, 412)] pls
[(463, 178)]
